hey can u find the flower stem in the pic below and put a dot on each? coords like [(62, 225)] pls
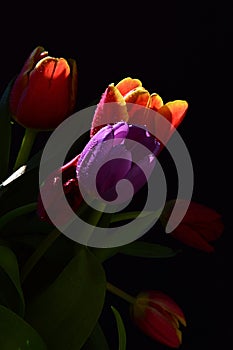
[(25, 148), (120, 293), (38, 253), (46, 243), (24, 209)]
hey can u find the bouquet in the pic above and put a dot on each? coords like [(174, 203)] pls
[(93, 190)]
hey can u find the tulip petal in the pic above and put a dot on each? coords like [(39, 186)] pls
[(52, 196), (155, 102), (109, 113), (189, 236), (73, 83), (45, 102), (113, 170), (210, 231), (22, 79), (204, 220), (128, 84), (139, 96), (166, 303), (157, 326), (141, 171), (174, 111), (200, 213)]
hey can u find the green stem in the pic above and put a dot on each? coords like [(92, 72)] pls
[(39, 252), (25, 148), (120, 293), (24, 209)]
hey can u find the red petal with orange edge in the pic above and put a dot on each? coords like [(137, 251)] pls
[(166, 303), (45, 102), (128, 84), (106, 113), (53, 68), (157, 326)]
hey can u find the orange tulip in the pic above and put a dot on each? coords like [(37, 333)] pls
[(129, 95), (158, 316), (44, 92)]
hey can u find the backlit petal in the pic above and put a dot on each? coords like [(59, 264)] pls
[(109, 113), (174, 111), (155, 102), (128, 84)]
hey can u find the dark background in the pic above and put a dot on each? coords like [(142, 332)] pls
[(181, 52)]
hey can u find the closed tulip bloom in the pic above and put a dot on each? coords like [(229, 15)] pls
[(129, 95), (111, 156), (200, 226), (159, 317), (44, 93), (55, 199)]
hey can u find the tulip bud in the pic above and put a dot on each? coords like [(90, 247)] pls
[(199, 226), (44, 92), (159, 317)]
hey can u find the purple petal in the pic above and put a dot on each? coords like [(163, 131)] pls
[(116, 167)]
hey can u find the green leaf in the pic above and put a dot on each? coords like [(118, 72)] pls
[(97, 340), (121, 329), (11, 291), (66, 313), (148, 250), (128, 215), (16, 334), (105, 253), (133, 230), (17, 212), (5, 131)]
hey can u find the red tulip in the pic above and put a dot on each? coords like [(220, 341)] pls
[(67, 174), (200, 225), (158, 316), (129, 95), (44, 92)]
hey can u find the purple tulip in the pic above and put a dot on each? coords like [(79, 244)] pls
[(117, 152)]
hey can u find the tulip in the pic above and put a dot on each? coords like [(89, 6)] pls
[(105, 157), (129, 95), (109, 157), (44, 92), (200, 225), (159, 317), (52, 196)]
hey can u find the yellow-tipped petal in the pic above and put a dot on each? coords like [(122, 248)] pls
[(128, 84), (155, 102), (174, 111), (139, 96), (179, 335), (111, 109)]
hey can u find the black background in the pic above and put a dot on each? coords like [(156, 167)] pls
[(180, 51)]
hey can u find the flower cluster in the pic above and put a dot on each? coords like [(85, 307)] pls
[(129, 129)]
